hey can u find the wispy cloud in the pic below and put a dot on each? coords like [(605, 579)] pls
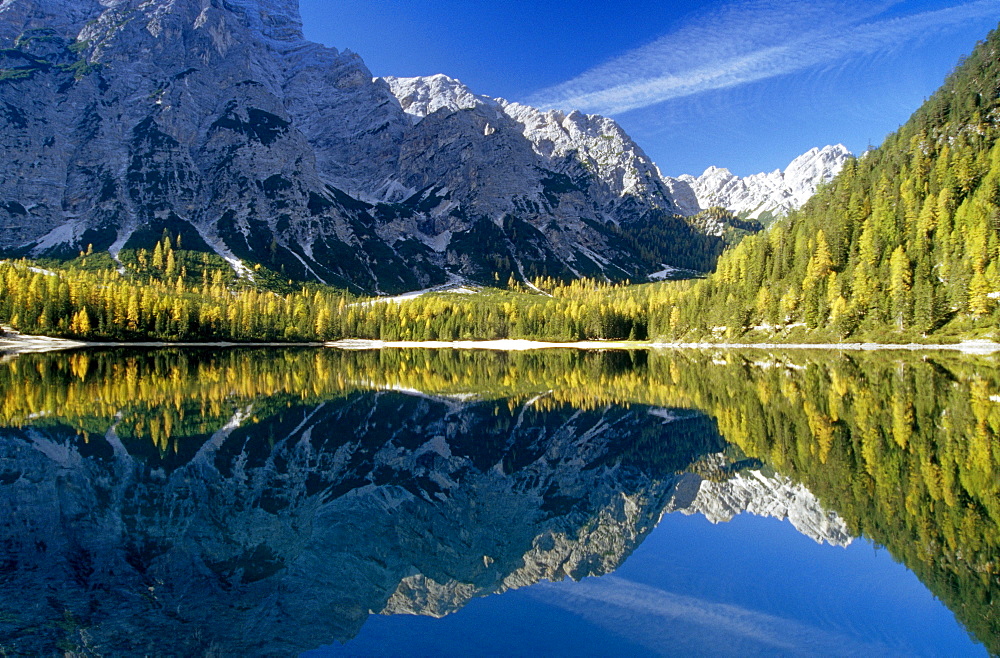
[(659, 621), (749, 41)]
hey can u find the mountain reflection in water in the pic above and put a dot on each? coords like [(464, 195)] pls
[(268, 501)]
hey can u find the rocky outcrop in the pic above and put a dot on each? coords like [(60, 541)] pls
[(775, 193)]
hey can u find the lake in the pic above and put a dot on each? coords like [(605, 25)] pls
[(321, 502)]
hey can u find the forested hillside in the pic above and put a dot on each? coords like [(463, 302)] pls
[(905, 239)]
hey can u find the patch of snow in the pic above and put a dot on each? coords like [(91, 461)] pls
[(532, 401), (242, 270), (462, 397), (237, 420), (397, 388), (453, 400), (456, 286), (36, 270), (529, 284), (663, 274), (669, 415)]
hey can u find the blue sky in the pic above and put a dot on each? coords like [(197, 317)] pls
[(745, 84)]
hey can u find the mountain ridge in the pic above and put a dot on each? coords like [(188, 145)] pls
[(221, 124)]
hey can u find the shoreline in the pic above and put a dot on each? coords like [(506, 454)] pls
[(967, 347), (28, 344), (13, 343)]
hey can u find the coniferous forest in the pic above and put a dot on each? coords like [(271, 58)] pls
[(903, 245), (903, 241)]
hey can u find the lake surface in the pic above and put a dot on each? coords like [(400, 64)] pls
[(407, 502)]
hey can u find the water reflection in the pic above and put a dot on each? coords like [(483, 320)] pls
[(268, 501)]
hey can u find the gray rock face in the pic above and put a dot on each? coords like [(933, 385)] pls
[(216, 120), (777, 193), (573, 145)]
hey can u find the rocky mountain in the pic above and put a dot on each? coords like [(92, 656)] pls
[(215, 120), (571, 144), (774, 193)]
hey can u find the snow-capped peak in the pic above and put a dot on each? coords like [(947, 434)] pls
[(777, 192), (570, 143), (812, 168), (421, 96)]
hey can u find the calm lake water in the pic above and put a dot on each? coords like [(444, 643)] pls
[(406, 502)]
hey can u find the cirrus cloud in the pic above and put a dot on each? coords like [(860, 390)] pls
[(745, 42)]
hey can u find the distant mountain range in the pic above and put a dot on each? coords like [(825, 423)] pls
[(776, 193), (219, 123)]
